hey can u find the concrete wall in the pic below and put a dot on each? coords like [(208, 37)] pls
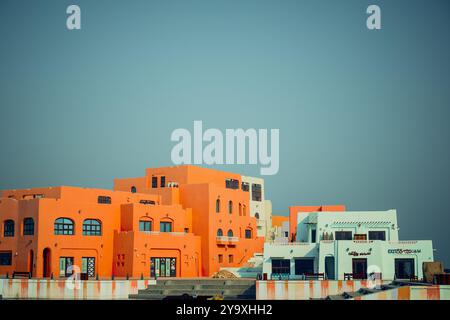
[(62, 289), (411, 293), (305, 290), (358, 222)]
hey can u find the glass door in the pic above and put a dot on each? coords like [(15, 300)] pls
[(163, 267)]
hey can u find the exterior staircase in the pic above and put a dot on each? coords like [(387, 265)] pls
[(173, 288), (250, 269)]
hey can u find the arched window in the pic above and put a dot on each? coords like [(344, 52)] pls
[(230, 207), (8, 228), (165, 226), (28, 227), (64, 226), (92, 227), (240, 209), (257, 215), (230, 233), (133, 189), (218, 205), (219, 232), (145, 224)]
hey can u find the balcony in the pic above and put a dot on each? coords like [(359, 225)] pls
[(153, 233), (223, 240)]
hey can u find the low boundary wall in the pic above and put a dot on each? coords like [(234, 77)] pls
[(63, 289), (411, 293), (309, 289)]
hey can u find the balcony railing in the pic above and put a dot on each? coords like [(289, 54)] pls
[(227, 239), (169, 233)]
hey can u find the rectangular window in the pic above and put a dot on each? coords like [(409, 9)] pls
[(186, 230), (230, 258), (248, 234), (343, 235), (360, 237), (232, 184), (154, 182), (163, 182), (404, 268), (65, 266), (313, 235), (5, 258), (28, 227), (104, 200), (165, 226), (281, 266), (147, 202), (304, 266), (245, 187), (256, 192), (145, 225), (220, 258), (377, 235)]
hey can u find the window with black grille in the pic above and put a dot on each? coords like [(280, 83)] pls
[(256, 192), (92, 227), (28, 227), (64, 226), (104, 200), (5, 258), (8, 228)]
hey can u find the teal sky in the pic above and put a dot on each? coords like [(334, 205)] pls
[(363, 115)]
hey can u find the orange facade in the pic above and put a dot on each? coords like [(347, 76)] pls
[(181, 221), (277, 221)]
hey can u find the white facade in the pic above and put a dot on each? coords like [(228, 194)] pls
[(369, 245), (259, 206), (326, 224), (279, 234)]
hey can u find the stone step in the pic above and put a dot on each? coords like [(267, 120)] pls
[(206, 281), (177, 288), (197, 286), (200, 292), (161, 297)]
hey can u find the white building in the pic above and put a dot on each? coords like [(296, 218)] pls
[(279, 233), (259, 206), (347, 245)]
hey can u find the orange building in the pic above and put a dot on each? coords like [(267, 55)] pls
[(179, 221)]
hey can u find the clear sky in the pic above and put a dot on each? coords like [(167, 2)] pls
[(363, 115)]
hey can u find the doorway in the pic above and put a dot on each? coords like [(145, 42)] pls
[(88, 266), (47, 263), (163, 267), (359, 267), (404, 268), (31, 263), (329, 268)]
